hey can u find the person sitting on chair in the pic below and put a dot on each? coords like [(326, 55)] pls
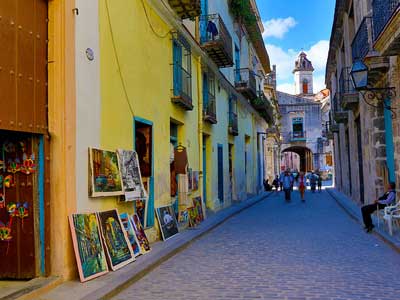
[(387, 199)]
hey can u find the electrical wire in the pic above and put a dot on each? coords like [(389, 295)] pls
[(161, 36), (117, 60)]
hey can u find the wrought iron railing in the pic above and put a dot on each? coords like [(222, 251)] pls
[(210, 107), (213, 29), (182, 82), (298, 135), (362, 42), (269, 80), (345, 83), (245, 78), (233, 121), (335, 103), (382, 12)]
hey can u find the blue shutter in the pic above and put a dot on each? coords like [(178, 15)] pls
[(203, 21), (177, 53), (389, 140), (220, 174), (205, 91)]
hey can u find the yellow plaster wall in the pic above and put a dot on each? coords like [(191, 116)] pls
[(145, 64)]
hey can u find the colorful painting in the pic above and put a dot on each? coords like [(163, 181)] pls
[(130, 233), (88, 246), (140, 234), (104, 173), (130, 174), (141, 211), (167, 221), (197, 205), (193, 217), (190, 179), (118, 248), (183, 219), (195, 180)]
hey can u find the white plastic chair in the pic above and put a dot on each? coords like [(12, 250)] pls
[(391, 215)]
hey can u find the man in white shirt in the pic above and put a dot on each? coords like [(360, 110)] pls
[(387, 199)]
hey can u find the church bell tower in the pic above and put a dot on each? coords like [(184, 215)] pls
[(303, 75)]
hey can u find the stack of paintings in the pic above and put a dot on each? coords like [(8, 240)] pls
[(167, 221)]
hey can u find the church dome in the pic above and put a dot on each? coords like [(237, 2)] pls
[(302, 63)]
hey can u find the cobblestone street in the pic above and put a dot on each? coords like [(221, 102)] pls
[(275, 250)]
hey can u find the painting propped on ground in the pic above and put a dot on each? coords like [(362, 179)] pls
[(197, 205), (167, 221), (118, 248), (105, 179), (140, 234), (130, 233), (131, 177), (88, 247)]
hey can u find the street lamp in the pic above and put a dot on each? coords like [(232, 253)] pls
[(359, 76)]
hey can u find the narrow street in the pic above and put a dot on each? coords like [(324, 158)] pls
[(276, 250)]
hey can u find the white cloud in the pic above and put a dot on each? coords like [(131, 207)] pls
[(278, 27), (284, 61), (286, 88)]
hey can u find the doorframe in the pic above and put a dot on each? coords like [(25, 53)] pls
[(150, 205)]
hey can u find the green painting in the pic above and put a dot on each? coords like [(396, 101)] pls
[(89, 251), (118, 248), (105, 173)]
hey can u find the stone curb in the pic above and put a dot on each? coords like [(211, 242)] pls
[(113, 283), (353, 211)]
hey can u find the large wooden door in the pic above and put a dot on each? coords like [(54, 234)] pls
[(19, 205)]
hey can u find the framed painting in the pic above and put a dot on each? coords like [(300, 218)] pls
[(199, 208), (190, 179), (88, 246), (118, 248), (193, 217), (195, 180), (141, 210), (105, 179), (130, 233), (131, 177), (140, 234), (167, 221)]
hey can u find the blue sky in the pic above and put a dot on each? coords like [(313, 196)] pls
[(292, 25)]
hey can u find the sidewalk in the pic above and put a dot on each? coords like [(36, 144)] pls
[(355, 212), (109, 284)]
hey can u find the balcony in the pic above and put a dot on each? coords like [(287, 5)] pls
[(186, 8), (233, 124), (334, 128), (386, 19), (182, 91), (297, 136), (216, 40), (338, 114), (348, 94), (210, 109), (245, 83), (264, 107)]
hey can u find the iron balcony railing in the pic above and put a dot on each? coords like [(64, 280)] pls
[(182, 83), (210, 109), (245, 82), (233, 123), (345, 83), (382, 12), (215, 38), (298, 135), (362, 42), (269, 80)]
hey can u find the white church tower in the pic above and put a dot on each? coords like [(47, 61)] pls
[(303, 75)]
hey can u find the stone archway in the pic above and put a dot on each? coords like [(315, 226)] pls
[(305, 154)]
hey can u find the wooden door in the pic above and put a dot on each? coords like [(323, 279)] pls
[(18, 210)]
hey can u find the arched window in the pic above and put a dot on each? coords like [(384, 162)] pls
[(305, 86)]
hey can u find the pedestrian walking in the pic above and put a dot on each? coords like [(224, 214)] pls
[(276, 183), (281, 181), (302, 186), (287, 183), (313, 181), (319, 182), (386, 199)]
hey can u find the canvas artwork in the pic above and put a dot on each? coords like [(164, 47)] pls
[(105, 177), (167, 221), (141, 211), (88, 246), (193, 217), (197, 205), (195, 175), (140, 234), (118, 248), (130, 233), (130, 174), (190, 179), (183, 218)]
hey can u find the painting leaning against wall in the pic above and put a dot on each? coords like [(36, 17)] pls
[(118, 248), (105, 179), (88, 247)]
